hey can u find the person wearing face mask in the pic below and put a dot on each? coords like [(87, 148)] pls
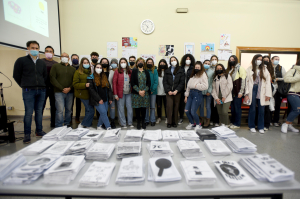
[(214, 119), (258, 91), (132, 62), (30, 73), (193, 96), (100, 95), (222, 93), (49, 53), (75, 64), (279, 73), (94, 60), (238, 75), (61, 77), (173, 82), (161, 94), (153, 91), (112, 109), (187, 63), (81, 91), (122, 92), (140, 85), (207, 96)]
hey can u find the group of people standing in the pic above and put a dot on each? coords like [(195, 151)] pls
[(182, 87)]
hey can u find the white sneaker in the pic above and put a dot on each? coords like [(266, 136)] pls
[(271, 124), (80, 126), (211, 124), (198, 127), (223, 125), (166, 121), (253, 130), (180, 121), (125, 127), (100, 128), (91, 128), (216, 124), (109, 128), (190, 126), (234, 127), (266, 129), (284, 127), (293, 129), (276, 124), (261, 131), (158, 120), (131, 126)]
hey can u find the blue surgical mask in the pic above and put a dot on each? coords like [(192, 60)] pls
[(206, 66), (114, 66), (86, 66), (34, 52), (276, 62)]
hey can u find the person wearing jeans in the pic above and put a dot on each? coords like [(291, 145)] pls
[(30, 73), (161, 95), (112, 106), (153, 91), (122, 92), (61, 77), (292, 77), (81, 91)]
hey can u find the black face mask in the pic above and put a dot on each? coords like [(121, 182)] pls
[(131, 63), (104, 65), (266, 62), (163, 66), (149, 65), (219, 72), (232, 63), (196, 71), (94, 61), (140, 65)]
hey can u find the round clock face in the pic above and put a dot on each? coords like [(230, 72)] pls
[(147, 26)]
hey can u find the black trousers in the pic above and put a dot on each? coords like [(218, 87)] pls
[(78, 107), (140, 114), (214, 112), (267, 119), (181, 106), (278, 98), (50, 94), (159, 100)]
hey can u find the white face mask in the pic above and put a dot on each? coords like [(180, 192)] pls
[(123, 65), (258, 62), (64, 60), (188, 62), (214, 62), (98, 70), (174, 63)]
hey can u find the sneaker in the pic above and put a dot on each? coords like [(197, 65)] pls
[(166, 121), (216, 125), (266, 129), (271, 124), (101, 128), (112, 124), (211, 123), (276, 124), (158, 120), (80, 126), (253, 130), (284, 127), (131, 126), (180, 121), (91, 128), (194, 125), (125, 127), (261, 131), (190, 126), (27, 139), (234, 127), (293, 129), (109, 128), (198, 127), (40, 134)]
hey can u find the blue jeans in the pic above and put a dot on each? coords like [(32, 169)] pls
[(102, 109), (208, 106), (294, 100), (152, 110), (261, 111), (193, 102), (112, 110), (89, 114), (126, 99), (63, 101), (33, 100), (236, 111)]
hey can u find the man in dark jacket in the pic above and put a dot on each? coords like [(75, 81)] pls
[(30, 73), (61, 77), (75, 64)]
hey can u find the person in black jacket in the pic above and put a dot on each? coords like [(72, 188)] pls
[(174, 85), (140, 84), (100, 94), (30, 73), (187, 63)]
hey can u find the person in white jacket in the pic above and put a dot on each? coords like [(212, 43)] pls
[(197, 83), (258, 91)]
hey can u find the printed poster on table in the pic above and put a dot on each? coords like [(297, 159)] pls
[(224, 55), (207, 47), (146, 56), (225, 41), (189, 48), (129, 47), (112, 49)]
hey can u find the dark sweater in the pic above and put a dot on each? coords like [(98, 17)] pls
[(177, 84), (49, 64), (135, 80), (61, 77), (98, 93), (27, 74)]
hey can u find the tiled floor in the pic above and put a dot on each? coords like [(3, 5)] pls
[(283, 147)]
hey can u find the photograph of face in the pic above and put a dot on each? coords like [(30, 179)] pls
[(197, 170), (39, 161), (169, 50), (64, 165), (230, 170)]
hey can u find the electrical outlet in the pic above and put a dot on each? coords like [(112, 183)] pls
[(10, 108)]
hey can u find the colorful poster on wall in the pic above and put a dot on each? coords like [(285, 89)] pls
[(112, 49), (146, 56), (225, 41), (207, 47), (189, 48), (166, 50), (162, 50), (205, 56), (224, 55), (129, 47)]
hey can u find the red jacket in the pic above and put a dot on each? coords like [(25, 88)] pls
[(118, 83)]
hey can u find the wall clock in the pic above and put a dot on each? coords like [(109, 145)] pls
[(147, 26)]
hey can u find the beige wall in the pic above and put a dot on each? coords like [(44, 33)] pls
[(86, 25)]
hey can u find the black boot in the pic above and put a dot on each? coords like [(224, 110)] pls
[(138, 126), (112, 124), (143, 124)]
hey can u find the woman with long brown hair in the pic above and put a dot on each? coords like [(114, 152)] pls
[(197, 83), (161, 94)]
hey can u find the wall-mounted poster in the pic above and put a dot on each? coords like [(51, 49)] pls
[(146, 56), (189, 48), (225, 41), (112, 49), (224, 55), (207, 47), (129, 47), (166, 50), (162, 50)]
